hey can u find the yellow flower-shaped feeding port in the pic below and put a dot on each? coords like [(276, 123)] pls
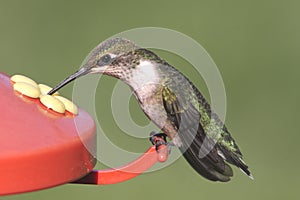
[(28, 87)]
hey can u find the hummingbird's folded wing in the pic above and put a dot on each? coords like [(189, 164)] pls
[(197, 148)]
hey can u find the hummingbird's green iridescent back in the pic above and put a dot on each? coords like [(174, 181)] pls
[(205, 139)]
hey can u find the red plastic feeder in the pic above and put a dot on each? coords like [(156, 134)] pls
[(38, 148), (41, 149)]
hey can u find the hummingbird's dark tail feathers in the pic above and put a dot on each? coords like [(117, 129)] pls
[(209, 159), (236, 160), (205, 168), (204, 158)]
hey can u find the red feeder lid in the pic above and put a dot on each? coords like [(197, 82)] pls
[(38, 148)]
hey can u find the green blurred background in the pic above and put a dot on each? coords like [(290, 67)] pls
[(254, 43)]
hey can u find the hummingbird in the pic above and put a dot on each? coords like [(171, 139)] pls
[(172, 102)]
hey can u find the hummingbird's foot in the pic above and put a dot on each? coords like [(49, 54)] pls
[(161, 145), (158, 139)]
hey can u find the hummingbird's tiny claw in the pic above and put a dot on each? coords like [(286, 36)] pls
[(161, 145), (158, 139)]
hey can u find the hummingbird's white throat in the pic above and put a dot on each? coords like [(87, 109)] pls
[(144, 77)]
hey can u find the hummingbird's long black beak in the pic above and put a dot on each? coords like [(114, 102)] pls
[(80, 72)]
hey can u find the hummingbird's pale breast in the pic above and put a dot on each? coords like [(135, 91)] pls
[(146, 84)]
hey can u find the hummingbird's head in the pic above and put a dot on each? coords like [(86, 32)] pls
[(106, 58)]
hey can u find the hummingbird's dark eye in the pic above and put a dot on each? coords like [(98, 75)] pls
[(105, 59)]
